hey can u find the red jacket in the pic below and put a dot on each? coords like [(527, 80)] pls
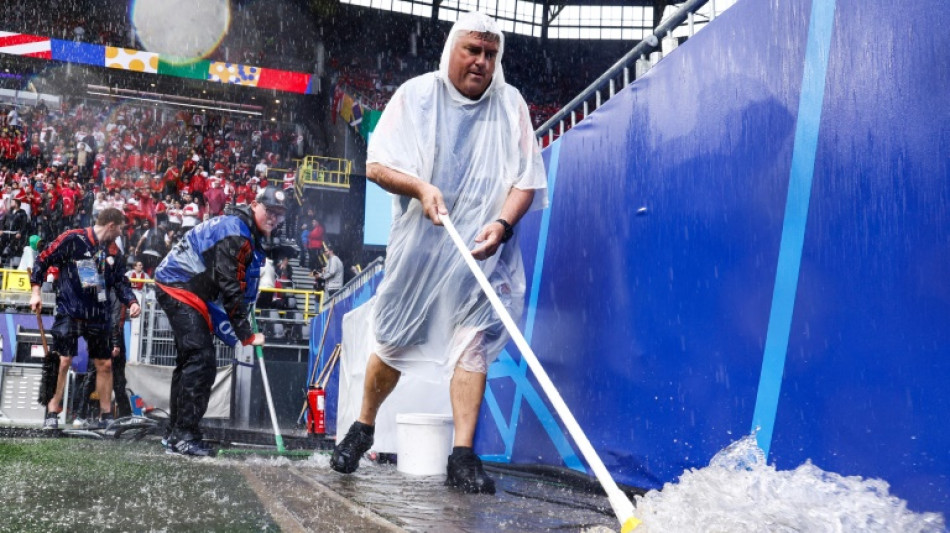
[(315, 237)]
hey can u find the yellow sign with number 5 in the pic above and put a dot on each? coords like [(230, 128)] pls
[(16, 281)]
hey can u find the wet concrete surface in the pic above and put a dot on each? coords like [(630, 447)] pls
[(310, 497), (151, 491)]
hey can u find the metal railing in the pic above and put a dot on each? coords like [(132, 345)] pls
[(319, 171), (312, 301), (158, 343), (604, 87), (376, 265)]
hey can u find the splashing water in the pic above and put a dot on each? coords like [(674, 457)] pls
[(738, 492)]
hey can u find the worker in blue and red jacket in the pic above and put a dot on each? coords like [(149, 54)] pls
[(90, 264), (206, 286)]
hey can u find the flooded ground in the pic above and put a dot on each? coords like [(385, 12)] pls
[(522, 502), (82, 485), (69, 484)]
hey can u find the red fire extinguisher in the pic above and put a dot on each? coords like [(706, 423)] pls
[(316, 400)]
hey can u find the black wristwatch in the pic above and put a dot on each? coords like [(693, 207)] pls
[(509, 231)]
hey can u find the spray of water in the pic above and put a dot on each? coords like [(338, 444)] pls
[(738, 492)]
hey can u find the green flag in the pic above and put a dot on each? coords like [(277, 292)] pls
[(370, 118)]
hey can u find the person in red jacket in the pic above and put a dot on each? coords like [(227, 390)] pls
[(215, 198), (171, 181), (315, 246), (199, 184)]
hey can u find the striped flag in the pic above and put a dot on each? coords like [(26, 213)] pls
[(21, 44)]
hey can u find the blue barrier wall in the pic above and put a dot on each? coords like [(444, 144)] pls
[(790, 271), (334, 335), (11, 321)]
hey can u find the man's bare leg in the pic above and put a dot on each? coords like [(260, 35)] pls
[(55, 405), (104, 384), (380, 380), (466, 390), (464, 470)]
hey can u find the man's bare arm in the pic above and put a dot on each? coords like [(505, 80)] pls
[(405, 185), (489, 238)]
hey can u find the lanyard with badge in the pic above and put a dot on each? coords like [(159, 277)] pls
[(92, 273)]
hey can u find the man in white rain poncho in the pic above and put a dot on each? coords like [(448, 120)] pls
[(458, 141)]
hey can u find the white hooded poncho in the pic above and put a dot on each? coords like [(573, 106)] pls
[(429, 308)]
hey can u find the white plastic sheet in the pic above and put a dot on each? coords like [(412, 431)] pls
[(429, 307), (153, 383), (411, 395)]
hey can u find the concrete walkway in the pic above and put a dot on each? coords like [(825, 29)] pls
[(308, 496)]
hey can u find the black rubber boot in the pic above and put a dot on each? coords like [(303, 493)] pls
[(347, 454), (465, 472)]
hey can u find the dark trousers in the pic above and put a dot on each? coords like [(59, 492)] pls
[(195, 368), (316, 258), (123, 406)]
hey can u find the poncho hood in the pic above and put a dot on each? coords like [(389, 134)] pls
[(481, 23)]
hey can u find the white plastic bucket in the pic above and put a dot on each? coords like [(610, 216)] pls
[(423, 443)]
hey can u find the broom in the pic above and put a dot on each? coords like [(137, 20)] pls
[(621, 505), (278, 438), (50, 372)]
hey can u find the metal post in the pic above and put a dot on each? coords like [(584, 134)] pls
[(690, 18), (597, 94), (612, 87), (150, 332), (626, 76)]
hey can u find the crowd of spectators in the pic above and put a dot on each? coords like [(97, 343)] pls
[(166, 170), (548, 76), (368, 52)]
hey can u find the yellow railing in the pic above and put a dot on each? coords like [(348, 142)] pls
[(317, 297), (319, 171), (308, 296), (19, 281)]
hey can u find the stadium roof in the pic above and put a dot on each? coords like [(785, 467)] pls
[(556, 19)]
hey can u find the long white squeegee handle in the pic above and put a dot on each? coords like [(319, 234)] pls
[(621, 505), (259, 351)]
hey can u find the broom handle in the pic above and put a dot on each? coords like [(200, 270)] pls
[(278, 438), (323, 339), (39, 322), (621, 505), (333, 359), (311, 382), (326, 366)]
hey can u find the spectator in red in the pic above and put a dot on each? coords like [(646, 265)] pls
[(68, 195), (242, 193), (315, 245), (155, 184), (146, 205), (199, 184), (190, 168), (215, 199), (171, 180)]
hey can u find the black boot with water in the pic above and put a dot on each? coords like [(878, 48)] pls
[(465, 472), (347, 454)]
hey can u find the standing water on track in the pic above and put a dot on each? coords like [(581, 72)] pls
[(738, 492)]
